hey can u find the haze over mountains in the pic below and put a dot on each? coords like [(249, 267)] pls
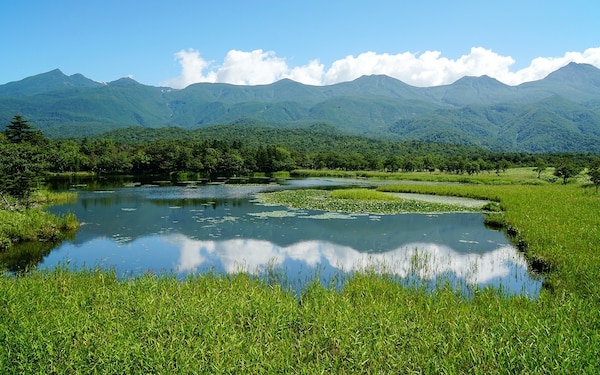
[(558, 113)]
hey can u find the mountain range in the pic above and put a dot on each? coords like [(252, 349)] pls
[(556, 114)]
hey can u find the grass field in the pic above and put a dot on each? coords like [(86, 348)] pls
[(91, 322)]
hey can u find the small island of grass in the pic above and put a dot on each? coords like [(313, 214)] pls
[(20, 224), (358, 200)]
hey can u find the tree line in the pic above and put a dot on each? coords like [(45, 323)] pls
[(26, 154)]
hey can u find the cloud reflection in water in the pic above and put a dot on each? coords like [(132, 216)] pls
[(426, 260)]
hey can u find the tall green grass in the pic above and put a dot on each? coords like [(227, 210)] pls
[(33, 225), (91, 322), (512, 176), (558, 225), (20, 225)]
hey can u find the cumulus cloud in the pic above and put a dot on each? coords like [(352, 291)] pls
[(425, 69), (192, 70)]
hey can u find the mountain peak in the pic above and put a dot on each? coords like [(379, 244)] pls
[(45, 82), (576, 73), (53, 72), (379, 80), (378, 85), (52, 75), (481, 81), (125, 81)]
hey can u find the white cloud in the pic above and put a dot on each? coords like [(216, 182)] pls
[(429, 68), (251, 68), (192, 70), (311, 74)]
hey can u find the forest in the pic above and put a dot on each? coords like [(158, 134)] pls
[(228, 151)]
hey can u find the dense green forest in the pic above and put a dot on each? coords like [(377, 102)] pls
[(240, 150)]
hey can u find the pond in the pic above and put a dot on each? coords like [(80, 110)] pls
[(224, 229)]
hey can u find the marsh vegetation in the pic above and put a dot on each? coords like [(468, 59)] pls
[(61, 320), (211, 322), (262, 230), (360, 201)]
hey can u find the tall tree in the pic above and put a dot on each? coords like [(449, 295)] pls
[(21, 167), (540, 166), (594, 173), (20, 131), (565, 169)]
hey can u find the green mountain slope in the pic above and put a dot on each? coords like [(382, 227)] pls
[(558, 113), (46, 82)]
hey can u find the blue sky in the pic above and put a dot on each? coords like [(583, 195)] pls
[(178, 42)]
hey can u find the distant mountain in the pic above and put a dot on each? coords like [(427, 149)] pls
[(47, 82), (558, 113), (577, 82)]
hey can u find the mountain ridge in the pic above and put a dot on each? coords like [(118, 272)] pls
[(480, 111)]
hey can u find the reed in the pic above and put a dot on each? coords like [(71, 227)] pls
[(91, 322), (19, 224), (556, 225)]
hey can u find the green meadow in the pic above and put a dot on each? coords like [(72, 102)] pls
[(69, 322)]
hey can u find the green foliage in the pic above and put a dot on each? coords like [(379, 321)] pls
[(238, 149), (565, 169), (555, 114), (540, 166), (22, 159), (19, 131), (594, 173)]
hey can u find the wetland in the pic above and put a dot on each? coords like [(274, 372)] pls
[(281, 229)]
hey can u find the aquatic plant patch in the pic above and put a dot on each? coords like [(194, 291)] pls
[(356, 201), (329, 216), (278, 213)]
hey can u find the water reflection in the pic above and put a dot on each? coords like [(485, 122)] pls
[(221, 228), (426, 260)]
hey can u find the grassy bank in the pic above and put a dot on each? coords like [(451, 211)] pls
[(86, 322), (19, 224), (512, 176), (90, 322), (557, 224)]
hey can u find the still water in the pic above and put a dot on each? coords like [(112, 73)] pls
[(224, 229)]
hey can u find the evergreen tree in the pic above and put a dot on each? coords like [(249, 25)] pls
[(20, 131), (21, 167)]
